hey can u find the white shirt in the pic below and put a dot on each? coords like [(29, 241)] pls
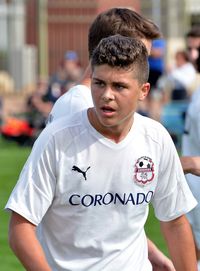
[(184, 74), (191, 147), (76, 99), (90, 196)]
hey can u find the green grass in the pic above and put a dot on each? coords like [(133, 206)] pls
[(12, 159)]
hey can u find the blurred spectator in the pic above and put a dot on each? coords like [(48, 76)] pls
[(41, 102), (174, 86), (151, 105), (179, 79), (183, 67), (156, 61), (193, 45), (191, 136), (68, 73), (193, 49), (38, 105), (6, 82)]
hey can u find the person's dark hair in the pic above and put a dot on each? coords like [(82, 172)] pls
[(123, 21), (124, 53), (194, 32)]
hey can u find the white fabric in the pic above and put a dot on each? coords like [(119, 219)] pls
[(191, 147), (92, 218), (76, 99), (184, 74)]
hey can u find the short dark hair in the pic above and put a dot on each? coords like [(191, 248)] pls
[(194, 32), (123, 21), (123, 53)]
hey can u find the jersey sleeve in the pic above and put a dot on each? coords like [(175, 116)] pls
[(34, 191), (173, 197)]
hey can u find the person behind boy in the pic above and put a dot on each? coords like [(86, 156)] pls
[(122, 21), (191, 136), (90, 178)]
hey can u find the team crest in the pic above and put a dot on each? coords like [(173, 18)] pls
[(144, 170)]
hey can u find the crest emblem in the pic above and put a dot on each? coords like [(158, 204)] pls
[(144, 170)]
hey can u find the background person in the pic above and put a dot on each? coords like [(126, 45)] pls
[(191, 137)]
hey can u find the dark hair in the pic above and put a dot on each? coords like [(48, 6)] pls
[(123, 21), (194, 32), (123, 53)]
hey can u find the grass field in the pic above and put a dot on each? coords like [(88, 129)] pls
[(12, 158)]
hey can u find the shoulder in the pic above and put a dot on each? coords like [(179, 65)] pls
[(78, 90), (76, 99), (151, 129), (63, 130)]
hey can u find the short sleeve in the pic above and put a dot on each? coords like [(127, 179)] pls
[(173, 197), (34, 191)]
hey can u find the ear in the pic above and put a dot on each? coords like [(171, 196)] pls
[(144, 91)]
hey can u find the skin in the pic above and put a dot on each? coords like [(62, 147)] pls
[(191, 164), (180, 243), (159, 261), (28, 250), (193, 43), (115, 94)]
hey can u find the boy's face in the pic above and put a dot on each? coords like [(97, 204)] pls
[(115, 94)]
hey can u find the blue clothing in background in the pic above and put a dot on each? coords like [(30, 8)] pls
[(157, 63)]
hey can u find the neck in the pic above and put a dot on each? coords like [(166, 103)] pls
[(115, 133)]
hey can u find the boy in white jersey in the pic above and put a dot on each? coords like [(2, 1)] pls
[(125, 22), (113, 21), (90, 178)]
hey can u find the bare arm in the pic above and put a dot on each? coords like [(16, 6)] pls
[(24, 243), (191, 164), (158, 260), (180, 243)]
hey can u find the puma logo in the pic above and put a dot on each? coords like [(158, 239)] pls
[(75, 168)]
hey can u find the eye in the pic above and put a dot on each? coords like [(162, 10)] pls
[(99, 83), (119, 86)]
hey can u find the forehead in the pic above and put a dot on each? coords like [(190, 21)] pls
[(113, 74)]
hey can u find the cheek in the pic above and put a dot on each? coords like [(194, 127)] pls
[(194, 54), (96, 93)]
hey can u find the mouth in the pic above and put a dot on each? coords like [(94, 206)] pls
[(107, 111)]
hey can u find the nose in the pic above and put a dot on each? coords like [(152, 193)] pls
[(108, 95)]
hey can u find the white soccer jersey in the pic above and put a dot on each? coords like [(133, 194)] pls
[(76, 99), (191, 147), (90, 196)]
